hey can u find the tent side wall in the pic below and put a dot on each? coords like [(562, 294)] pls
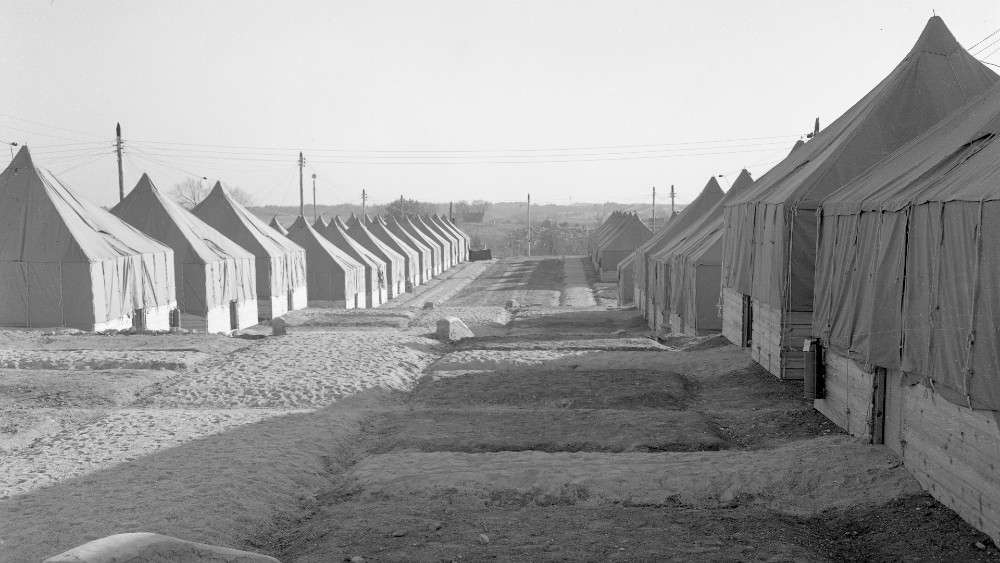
[(125, 291), (28, 283)]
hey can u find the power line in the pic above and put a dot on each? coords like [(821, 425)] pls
[(970, 48)]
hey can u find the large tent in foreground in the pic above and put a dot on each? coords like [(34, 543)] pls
[(334, 278), (430, 261), (280, 263), (908, 308), (646, 298), (215, 277), (66, 262), (690, 270), (770, 233), (412, 275)]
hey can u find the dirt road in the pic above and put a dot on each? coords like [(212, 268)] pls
[(568, 435), (561, 431)]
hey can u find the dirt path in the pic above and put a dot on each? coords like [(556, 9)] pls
[(577, 291), (565, 437)]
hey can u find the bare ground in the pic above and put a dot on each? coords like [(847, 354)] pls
[(560, 432)]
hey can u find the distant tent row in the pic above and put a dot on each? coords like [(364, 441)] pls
[(867, 260), (366, 262), (150, 264), (616, 239)]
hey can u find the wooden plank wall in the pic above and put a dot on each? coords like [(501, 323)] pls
[(952, 450), (765, 335), (796, 326), (676, 324), (732, 315), (847, 399)]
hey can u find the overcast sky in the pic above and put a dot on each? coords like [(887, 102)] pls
[(444, 100)]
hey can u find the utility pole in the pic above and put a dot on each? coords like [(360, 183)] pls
[(451, 211), (672, 195), (302, 195), (529, 224), (118, 151), (364, 200), (314, 197), (652, 213)]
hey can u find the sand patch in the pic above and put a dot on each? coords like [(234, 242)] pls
[(116, 437), (305, 370), (800, 478), (99, 359)]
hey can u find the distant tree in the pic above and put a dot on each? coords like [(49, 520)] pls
[(400, 207), (191, 191)]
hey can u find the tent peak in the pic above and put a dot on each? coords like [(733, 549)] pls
[(22, 158), (712, 185), (936, 38)]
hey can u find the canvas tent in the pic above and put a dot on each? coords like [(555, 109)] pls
[(609, 223), (66, 262), (443, 249), (907, 308), (691, 269), (375, 282), (280, 263), (215, 278), (770, 233), (334, 278), (453, 240), (448, 249), (626, 280), (467, 240), (395, 263), (449, 228), (274, 224), (430, 262), (646, 282), (412, 275), (618, 243), (658, 262)]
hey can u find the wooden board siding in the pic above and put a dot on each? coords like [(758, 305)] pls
[(765, 337), (676, 324), (847, 399), (952, 450), (732, 315)]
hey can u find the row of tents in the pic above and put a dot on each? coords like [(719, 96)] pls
[(150, 264), (868, 258), (365, 262), (614, 240)]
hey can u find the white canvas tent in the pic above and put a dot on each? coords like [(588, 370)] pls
[(66, 262), (281, 264), (215, 277)]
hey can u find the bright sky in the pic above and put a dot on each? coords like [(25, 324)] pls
[(444, 100)]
